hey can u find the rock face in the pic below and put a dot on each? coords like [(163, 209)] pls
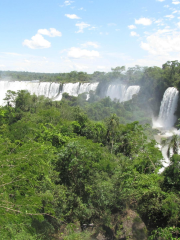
[(131, 227), (125, 226)]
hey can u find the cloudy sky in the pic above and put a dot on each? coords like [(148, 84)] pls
[(87, 35)]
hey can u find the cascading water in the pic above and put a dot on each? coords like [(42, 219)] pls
[(116, 91), (74, 89), (54, 90), (165, 122), (122, 92), (87, 87), (168, 107), (47, 89), (71, 88), (132, 90)]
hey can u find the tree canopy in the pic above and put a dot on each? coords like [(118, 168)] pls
[(77, 163)]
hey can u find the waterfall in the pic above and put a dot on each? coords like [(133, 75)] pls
[(47, 89), (116, 91), (130, 92), (87, 87), (122, 92), (166, 121), (168, 107), (54, 90), (74, 89), (71, 88)]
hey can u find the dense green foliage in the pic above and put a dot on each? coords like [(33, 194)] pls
[(132, 75), (73, 76), (98, 109), (73, 161)]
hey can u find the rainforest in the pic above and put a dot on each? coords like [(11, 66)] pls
[(79, 157)]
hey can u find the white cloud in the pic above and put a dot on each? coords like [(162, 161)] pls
[(93, 44), (27, 61), (159, 22), (131, 26), (178, 24), (160, 0), (81, 26), (175, 2), (72, 16), (37, 42), (143, 21), (52, 33), (82, 53), (163, 43), (67, 3), (170, 16), (133, 34)]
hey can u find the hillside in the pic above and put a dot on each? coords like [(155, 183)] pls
[(84, 169)]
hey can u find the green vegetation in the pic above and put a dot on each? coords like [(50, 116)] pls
[(98, 109), (58, 167), (132, 74), (69, 163)]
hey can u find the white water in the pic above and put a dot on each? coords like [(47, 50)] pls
[(87, 87), (166, 134), (122, 92), (166, 121), (71, 88), (47, 89), (166, 118), (132, 90)]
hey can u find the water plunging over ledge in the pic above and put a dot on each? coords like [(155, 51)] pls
[(166, 121), (121, 92), (51, 90), (166, 118)]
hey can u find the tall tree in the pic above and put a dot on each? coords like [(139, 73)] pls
[(112, 126)]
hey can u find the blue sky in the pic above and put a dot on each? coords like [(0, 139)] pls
[(85, 35)]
